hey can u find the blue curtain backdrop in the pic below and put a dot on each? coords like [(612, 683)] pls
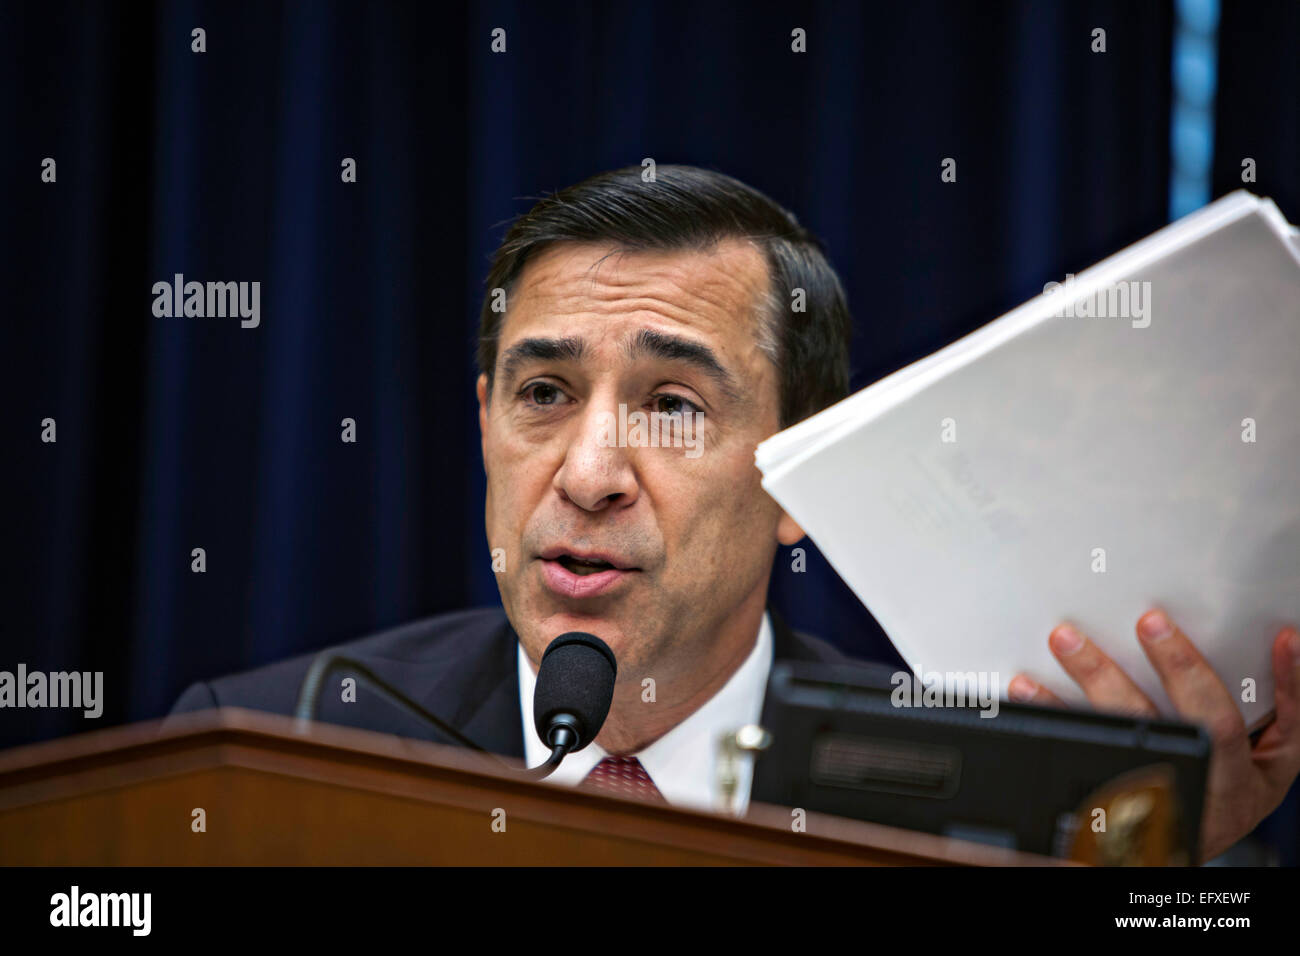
[(176, 434)]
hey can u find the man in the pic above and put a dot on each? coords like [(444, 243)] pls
[(673, 299)]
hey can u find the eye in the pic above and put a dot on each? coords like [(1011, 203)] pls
[(542, 394), (668, 404)]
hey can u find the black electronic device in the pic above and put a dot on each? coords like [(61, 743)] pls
[(848, 741)]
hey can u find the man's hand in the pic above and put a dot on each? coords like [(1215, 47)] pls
[(1245, 783)]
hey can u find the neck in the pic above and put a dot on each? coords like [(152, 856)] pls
[(634, 724)]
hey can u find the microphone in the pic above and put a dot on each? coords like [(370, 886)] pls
[(575, 686)]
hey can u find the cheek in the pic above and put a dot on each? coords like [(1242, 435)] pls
[(517, 477), (718, 518)]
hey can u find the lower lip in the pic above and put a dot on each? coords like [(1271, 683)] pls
[(565, 583)]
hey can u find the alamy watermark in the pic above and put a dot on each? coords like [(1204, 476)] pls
[(654, 430), (947, 689), (1123, 300), (58, 689), (209, 300), (75, 908)]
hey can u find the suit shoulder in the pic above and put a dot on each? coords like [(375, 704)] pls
[(455, 633), (443, 642), (823, 652), (817, 649)]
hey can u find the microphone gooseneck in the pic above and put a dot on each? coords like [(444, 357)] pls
[(328, 661), (575, 686)]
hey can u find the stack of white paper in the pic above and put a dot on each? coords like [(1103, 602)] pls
[(1129, 440)]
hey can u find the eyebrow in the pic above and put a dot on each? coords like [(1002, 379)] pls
[(647, 342), (568, 349), (673, 348)]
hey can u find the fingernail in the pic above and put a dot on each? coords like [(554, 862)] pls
[(1293, 642), (1154, 626), (1066, 640), (1022, 688)]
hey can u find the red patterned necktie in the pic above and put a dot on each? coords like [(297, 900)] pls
[(623, 777)]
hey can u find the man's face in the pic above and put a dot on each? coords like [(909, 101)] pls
[(690, 534)]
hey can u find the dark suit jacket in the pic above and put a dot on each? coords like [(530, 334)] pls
[(460, 666)]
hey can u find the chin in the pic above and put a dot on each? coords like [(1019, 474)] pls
[(611, 629), (608, 628)]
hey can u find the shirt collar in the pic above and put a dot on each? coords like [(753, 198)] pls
[(683, 762)]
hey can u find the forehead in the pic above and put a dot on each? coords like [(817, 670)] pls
[(715, 293)]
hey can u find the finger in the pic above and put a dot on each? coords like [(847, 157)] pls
[(1103, 681), (1025, 690), (1277, 751), (1191, 683), (1286, 683)]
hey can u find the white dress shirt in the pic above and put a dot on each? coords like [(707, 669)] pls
[(683, 762)]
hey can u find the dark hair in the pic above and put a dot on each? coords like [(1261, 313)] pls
[(690, 208)]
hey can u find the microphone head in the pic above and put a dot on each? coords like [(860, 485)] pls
[(576, 676)]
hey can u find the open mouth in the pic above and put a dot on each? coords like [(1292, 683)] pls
[(592, 575), (583, 567)]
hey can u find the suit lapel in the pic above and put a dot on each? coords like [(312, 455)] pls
[(480, 696)]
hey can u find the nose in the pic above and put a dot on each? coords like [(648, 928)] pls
[(597, 474)]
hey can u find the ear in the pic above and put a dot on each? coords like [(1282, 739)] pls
[(481, 389), (787, 532)]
